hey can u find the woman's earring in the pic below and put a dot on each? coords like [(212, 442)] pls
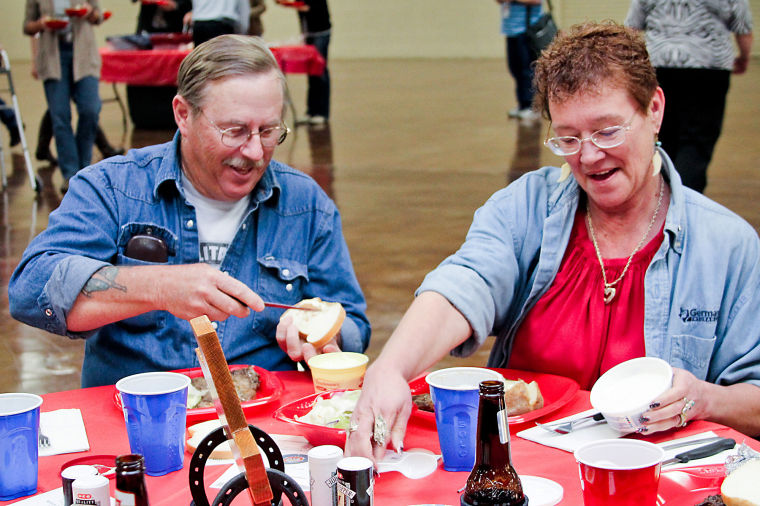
[(656, 159), (565, 172)]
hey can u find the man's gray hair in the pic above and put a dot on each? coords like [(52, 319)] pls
[(221, 57)]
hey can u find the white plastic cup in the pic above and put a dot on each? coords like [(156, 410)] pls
[(323, 465), (625, 392)]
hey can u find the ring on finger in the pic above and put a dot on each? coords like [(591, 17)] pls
[(687, 405), (380, 429)]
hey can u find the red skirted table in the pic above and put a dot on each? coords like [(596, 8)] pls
[(151, 76), (106, 432)]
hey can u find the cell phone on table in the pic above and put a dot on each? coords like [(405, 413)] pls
[(147, 248)]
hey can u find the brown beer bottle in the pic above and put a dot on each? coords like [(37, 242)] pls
[(493, 481), (130, 481)]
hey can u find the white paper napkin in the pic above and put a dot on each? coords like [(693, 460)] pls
[(66, 431), (570, 442)]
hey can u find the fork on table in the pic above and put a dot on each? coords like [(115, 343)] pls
[(43, 441), (568, 427)]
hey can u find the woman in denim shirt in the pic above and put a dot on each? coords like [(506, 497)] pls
[(577, 269)]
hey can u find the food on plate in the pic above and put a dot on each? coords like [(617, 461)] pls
[(424, 402), (332, 411), (740, 488), (521, 397), (199, 431), (246, 381), (711, 500), (317, 327)]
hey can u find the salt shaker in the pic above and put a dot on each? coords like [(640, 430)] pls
[(91, 490), (323, 463)]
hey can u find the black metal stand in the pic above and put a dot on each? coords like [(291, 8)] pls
[(280, 482)]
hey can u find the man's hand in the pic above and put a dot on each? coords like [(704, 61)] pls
[(298, 349), (188, 291)]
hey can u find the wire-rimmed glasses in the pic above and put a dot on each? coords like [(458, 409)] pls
[(606, 138), (236, 136)]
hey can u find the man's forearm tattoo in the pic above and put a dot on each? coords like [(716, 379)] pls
[(102, 280)]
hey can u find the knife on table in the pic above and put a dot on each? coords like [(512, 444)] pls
[(691, 442), (701, 452)]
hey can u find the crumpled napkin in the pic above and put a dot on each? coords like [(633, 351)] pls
[(66, 431), (577, 438)]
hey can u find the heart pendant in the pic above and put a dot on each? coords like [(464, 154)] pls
[(609, 294)]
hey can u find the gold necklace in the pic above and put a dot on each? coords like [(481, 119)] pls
[(609, 288)]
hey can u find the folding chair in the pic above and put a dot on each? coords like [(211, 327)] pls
[(36, 183)]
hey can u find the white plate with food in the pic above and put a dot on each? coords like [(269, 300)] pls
[(253, 395)]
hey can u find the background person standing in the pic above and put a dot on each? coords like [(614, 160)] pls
[(316, 28), (689, 42), (515, 14), (68, 63)]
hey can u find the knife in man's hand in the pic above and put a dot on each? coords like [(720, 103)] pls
[(702, 452)]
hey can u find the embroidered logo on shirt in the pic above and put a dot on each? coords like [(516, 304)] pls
[(698, 315)]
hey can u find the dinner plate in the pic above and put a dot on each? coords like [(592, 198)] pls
[(315, 434), (270, 389), (690, 485), (556, 390), (56, 23), (76, 13)]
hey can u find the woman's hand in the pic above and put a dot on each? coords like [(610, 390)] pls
[(686, 400), (297, 349), (381, 414)]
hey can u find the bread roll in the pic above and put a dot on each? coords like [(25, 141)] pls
[(740, 488), (522, 397), (199, 431), (317, 327)]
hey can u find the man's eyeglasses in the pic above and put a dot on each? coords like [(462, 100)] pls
[(606, 138), (236, 136)]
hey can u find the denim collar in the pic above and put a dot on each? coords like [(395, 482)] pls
[(170, 174)]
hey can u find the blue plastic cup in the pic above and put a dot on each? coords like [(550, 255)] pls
[(455, 396), (19, 429), (155, 409)]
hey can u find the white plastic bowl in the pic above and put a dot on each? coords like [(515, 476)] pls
[(625, 392)]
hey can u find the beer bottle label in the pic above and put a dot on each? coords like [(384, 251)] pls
[(124, 498), (501, 422)]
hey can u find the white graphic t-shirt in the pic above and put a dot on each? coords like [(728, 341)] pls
[(217, 223)]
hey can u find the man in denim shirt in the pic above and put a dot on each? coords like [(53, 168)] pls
[(205, 224)]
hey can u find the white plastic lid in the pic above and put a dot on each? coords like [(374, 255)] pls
[(541, 491)]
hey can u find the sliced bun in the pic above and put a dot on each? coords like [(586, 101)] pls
[(522, 397), (317, 327), (740, 488), (199, 431)]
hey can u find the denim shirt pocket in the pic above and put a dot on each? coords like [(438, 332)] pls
[(130, 230), (693, 353), (151, 320), (282, 280)]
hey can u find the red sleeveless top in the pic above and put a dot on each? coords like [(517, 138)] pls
[(571, 331)]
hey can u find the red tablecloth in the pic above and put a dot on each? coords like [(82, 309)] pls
[(107, 435), (158, 67)]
